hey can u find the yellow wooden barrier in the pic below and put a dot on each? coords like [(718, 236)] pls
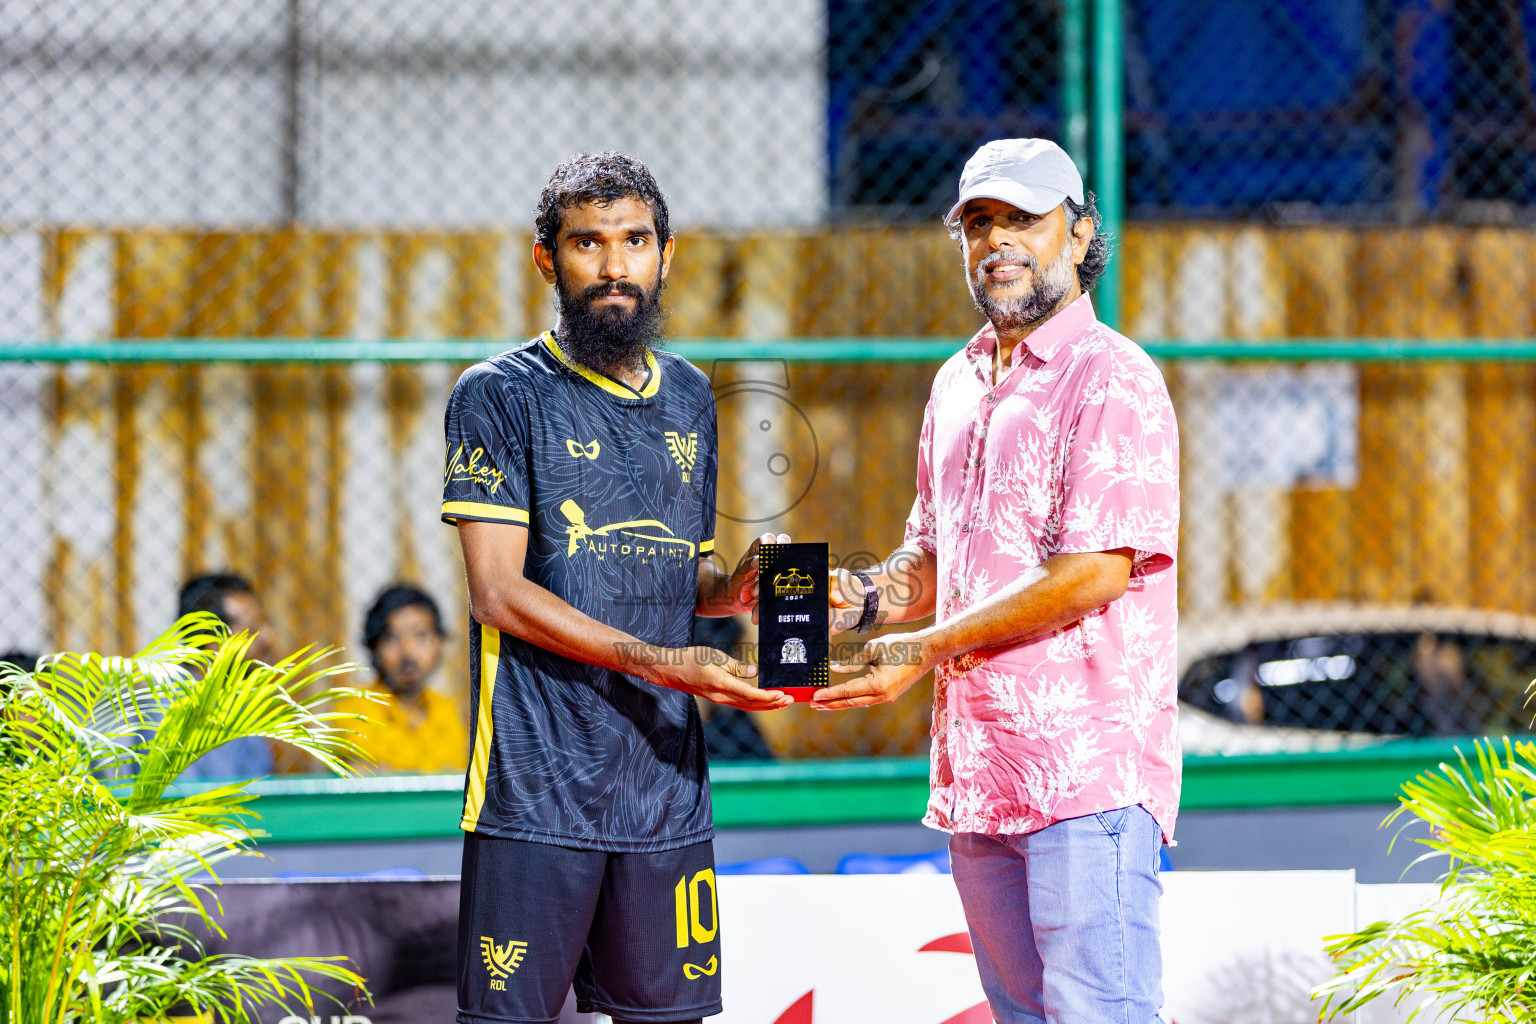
[(1444, 508)]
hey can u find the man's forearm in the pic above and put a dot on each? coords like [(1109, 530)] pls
[(529, 612), (905, 582), (1056, 593)]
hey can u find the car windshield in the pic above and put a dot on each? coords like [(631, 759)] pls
[(1405, 683)]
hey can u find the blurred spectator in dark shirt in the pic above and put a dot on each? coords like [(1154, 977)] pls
[(417, 728), (24, 660), (234, 601)]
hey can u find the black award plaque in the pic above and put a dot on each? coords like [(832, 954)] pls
[(792, 618)]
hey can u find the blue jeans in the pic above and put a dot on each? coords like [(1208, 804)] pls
[(1064, 920)]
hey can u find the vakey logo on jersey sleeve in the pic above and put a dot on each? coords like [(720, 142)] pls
[(473, 466)]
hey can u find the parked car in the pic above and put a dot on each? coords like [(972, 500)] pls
[(1414, 671)]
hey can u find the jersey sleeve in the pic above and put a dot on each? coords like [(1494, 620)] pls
[(485, 472)]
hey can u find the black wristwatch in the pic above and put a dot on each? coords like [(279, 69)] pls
[(871, 602)]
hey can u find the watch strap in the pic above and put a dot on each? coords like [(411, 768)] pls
[(871, 602)]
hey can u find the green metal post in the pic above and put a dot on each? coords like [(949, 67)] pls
[(1108, 144), (1074, 82)]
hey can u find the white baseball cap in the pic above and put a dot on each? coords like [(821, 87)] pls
[(1033, 174)]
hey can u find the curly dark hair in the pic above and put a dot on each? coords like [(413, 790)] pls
[(598, 179), (1096, 258)]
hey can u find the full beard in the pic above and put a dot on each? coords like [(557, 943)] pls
[(606, 338), (1050, 287)]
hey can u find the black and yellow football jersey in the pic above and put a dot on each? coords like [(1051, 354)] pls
[(616, 488)]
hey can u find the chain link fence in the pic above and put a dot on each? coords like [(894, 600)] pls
[(1359, 534), (1390, 502), (1352, 111)]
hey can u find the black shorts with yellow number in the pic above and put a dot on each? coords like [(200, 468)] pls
[(637, 933)]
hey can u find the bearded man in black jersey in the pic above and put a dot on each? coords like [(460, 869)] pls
[(581, 476)]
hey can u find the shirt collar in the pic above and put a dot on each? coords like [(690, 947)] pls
[(1044, 341), (614, 387)]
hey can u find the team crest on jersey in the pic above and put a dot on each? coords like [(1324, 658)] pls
[(643, 538), (685, 451), (473, 466), (501, 962), (583, 451)]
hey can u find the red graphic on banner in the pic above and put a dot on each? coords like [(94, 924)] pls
[(799, 1011), (960, 942)]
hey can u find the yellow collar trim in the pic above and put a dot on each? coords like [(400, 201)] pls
[(609, 385)]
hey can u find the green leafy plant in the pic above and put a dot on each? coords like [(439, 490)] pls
[(1470, 953), (99, 848)]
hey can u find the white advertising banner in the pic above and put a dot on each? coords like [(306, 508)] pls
[(819, 949), (837, 949), (1247, 946)]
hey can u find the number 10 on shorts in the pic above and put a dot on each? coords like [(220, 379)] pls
[(690, 900)]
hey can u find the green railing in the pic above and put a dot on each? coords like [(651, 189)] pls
[(842, 792), (809, 350)]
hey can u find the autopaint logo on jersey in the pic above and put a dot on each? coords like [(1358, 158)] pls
[(501, 962), (474, 467), (583, 451), (685, 451), (634, 538), (792, 581)]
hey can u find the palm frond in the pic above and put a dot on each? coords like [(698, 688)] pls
[(236, 697), (135, 986), (100, 850), (1472, 951)]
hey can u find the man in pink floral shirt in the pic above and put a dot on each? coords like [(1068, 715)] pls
[(1042, 541)]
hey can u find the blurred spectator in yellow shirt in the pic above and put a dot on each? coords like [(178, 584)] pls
[(417, 729)]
